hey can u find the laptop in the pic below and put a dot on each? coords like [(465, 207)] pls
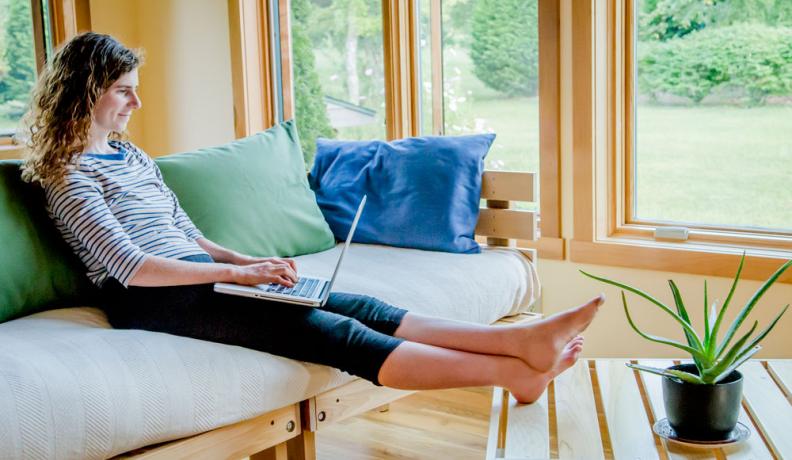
[(309, 291)]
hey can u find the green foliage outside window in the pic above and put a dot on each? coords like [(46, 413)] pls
[(667, 19), (18, 69), (310, 112), (503, 48), (697, 48), (754, 58)]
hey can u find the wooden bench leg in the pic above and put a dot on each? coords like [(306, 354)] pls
[(277, 452), (302, 447)]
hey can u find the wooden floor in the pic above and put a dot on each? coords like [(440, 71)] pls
[(441, 424)]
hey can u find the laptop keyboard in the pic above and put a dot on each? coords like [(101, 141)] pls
[(305, 287)]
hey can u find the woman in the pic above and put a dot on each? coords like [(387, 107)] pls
[(156, 269)]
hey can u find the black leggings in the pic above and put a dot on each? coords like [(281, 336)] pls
[(351, 332)]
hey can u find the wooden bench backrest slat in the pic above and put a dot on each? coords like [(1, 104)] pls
[(498, 221), (507, 223), (508, 186)]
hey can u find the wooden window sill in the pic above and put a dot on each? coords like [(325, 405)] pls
[(681, 257), (10, 151), (546, 247)]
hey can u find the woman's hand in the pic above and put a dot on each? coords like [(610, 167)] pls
[(241, 259), (267, 270)]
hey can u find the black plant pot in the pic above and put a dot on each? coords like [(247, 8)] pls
[(702, 412)]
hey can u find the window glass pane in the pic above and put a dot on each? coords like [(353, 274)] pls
[(714, 113), (17, 61), (339, 83), (490, 61)]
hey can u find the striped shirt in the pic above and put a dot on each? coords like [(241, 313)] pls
[(114, 210)]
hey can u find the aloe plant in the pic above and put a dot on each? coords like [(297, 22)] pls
[(714, 359)]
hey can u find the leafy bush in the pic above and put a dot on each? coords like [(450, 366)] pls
[(755, 58), (504, 46), (667, 19), (18, 54)]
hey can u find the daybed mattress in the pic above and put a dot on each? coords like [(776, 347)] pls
[(72, 387)]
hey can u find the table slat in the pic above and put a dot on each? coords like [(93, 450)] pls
[(782, 370), (528, 433), (628, 424), (578, 429), (495, 424), (769, 408)]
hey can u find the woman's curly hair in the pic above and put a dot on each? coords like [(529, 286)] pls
[(56, 127)]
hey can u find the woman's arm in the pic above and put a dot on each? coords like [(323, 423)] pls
[(161, 271), (221, 254)]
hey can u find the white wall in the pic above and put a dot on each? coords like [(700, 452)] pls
[(185, 83)]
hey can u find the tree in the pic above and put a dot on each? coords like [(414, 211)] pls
[(504, 46), (19, 55), (663, 20), (310, 109), (354, 29)]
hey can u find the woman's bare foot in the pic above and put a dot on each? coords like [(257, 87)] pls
[(531, 385), (541, 343)]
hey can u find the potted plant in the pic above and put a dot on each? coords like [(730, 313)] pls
[(702, 399)]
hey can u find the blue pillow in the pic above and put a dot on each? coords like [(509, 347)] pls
[(423, 192)]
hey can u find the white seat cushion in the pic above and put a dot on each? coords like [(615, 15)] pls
[(72, 387)]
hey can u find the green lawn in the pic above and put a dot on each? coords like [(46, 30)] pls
[(723, 165), (718, 165)]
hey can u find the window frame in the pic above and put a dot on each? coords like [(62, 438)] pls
[(252, 45), (67, 18), (605, 232), (550, 244)]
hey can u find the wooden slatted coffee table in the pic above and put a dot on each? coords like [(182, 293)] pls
[(602, 409)]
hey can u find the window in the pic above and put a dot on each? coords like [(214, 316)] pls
[(487, 56), (360, 69), (490, 66), (660, 136), (713, 115), (24, 41), (339, 83)]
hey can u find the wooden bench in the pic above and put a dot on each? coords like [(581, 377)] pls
[(292, 428)]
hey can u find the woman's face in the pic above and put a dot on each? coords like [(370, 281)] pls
[(115, 106)]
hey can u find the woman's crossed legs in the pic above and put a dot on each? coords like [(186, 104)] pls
[(523, 358), (369, 338)]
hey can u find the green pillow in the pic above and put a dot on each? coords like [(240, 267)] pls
[(38, 270), (251, 195)]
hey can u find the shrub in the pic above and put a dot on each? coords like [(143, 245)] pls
[(18, 54), (755, 58), (504, 45)]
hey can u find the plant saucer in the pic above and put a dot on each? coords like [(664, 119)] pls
[(739, 434)]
